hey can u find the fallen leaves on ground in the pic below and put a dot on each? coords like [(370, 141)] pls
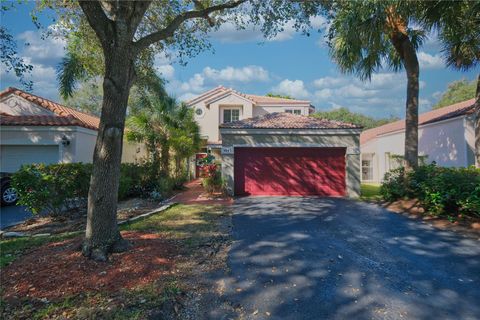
[(59, 270)]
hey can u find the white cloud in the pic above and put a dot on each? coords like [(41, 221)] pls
[(324, 93), (210, 77), (42, 48), (167, 71), (328, 82), (231, 74), (294, 88), (194, 84), (428, 61)]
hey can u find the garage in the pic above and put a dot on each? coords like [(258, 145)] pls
[(281, 154), (13, 156), (290, 171)]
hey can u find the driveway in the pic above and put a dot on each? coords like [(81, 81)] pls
[(332, 258), (11, 215)]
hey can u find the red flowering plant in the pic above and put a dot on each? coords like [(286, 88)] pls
[(212, 180)]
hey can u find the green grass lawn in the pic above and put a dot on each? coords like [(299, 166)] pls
[(370, 191)]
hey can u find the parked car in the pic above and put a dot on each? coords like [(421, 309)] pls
[(9, 195)]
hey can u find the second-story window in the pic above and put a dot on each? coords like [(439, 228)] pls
[(230, 115), (294, 111)]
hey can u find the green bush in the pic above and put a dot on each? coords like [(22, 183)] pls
[(441, 191), (58, 187), (51, 187)]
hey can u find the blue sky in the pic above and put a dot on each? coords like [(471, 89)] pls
[(289, 64)]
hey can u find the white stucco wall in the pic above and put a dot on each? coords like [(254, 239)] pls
[(15, 105), (446, 142)]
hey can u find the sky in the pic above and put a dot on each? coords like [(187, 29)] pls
[(291, 64)]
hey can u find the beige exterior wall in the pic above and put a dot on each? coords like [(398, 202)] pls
[(212, 115), (262, 110), (295, 138)]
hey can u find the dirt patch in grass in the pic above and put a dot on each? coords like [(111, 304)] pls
[(56, 270)]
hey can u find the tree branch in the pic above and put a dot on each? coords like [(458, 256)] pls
[(170, 29), (97, 19)]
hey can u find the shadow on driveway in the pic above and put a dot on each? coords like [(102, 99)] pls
[(332, 258)]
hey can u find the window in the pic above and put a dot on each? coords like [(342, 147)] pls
[(294, 111), (230, 115), (367, 170), (199, 112)]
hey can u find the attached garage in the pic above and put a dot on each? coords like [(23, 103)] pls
[(290, 171), (14, 156), (281, 154)]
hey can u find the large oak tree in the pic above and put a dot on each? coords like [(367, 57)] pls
[(125, 30)]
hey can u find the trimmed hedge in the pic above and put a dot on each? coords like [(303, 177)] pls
[(57, 188), (441, 191)]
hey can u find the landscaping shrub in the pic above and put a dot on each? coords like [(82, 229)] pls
[(441, 191), (212, 180), (57, 188)]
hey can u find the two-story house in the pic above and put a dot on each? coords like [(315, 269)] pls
[(270, 146), (223, 105)]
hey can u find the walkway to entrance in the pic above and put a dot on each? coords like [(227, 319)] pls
[(195, 194)]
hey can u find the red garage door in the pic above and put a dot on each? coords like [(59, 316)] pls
[(290, 171)]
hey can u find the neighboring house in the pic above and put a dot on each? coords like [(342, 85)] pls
[(445, 135), (270, 146), (37, 130), (224, 105)]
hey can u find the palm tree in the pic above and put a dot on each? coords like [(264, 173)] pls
[(185, 137), (457, 24), (151, 123), (366, 36)]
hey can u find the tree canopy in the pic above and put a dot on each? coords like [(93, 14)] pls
[(345, 115), (457, 91), (276, 95)]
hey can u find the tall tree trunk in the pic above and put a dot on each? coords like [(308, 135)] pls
[(406, 50), (102, 234), (477, 124), (411, 116)]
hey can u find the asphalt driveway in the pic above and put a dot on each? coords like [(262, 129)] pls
[(329, 258)]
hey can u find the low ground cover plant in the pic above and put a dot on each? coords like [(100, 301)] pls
[(441, 191)]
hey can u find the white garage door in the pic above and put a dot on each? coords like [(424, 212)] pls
[(12, 157)]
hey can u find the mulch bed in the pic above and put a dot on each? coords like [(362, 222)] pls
[(412, 209), (59, 270)]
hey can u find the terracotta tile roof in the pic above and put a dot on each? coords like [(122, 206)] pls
[(83, 119), (256, 99), (454, 110), (283, 120), (39, 120)]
